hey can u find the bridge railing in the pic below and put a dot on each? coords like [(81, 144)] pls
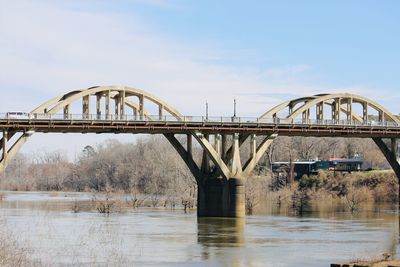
[(19, 116)]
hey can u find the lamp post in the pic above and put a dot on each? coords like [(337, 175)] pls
[(234, 107), (206, 110)]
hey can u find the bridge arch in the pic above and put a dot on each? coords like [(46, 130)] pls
[(121, 96), (340, 104)]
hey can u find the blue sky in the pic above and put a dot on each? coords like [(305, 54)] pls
[(189, 52), (346, 42)]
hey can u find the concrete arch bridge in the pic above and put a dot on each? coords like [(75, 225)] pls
[(222, 172)]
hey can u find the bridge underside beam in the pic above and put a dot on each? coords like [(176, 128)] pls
[(186, 155), (8, 151), (390, 154)]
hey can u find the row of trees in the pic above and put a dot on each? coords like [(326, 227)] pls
[(151, 166)]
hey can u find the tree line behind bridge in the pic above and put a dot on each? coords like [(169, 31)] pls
[(150, 166)]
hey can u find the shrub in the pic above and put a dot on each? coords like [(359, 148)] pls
[(312, 181)]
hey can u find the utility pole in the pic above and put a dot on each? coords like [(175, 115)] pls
[(206, 110), (234, 107)]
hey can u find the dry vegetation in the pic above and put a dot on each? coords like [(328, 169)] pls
[(326, 190), (385, 261), (336, 191), (150, 173), (12, 253)]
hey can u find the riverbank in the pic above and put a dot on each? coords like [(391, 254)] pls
[(373, 263)]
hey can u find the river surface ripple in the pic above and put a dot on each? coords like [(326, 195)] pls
[(160, 237)]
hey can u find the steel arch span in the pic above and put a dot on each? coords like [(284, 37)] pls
[(222, 172)]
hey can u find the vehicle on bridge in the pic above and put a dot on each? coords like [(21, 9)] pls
[(17, 115)]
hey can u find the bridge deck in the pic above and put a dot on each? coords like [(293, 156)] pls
[(221, 125)]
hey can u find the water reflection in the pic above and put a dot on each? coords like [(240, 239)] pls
[(220, 232), (221, 240)]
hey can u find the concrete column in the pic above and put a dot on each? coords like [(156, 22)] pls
[(365, 111), (218, 143), (253, 145), (320, 111), (108, 105), (381, 116), (306, 115), (236, 198), (98, 106), (236, 167), (221, 198), (86, 106), (66, 112), (160, 112), (333, 116), (117, 103), (224, 146), (122, 103), (336, 109), (4, 144), (205, 163), (202, 210), (134, 112), (141, 107), (349, 109)]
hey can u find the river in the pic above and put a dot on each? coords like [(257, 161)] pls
[(161, 237)]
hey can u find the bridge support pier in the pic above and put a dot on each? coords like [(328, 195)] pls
[(220, 198), (221, 176)]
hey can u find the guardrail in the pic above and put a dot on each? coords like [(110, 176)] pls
[(195, 119)]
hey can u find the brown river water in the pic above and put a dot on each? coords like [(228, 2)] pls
[(161, 237)]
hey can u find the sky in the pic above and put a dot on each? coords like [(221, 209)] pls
[(191, 52)]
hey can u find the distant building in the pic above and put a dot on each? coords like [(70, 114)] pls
[(346, 165), (301, 168)]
